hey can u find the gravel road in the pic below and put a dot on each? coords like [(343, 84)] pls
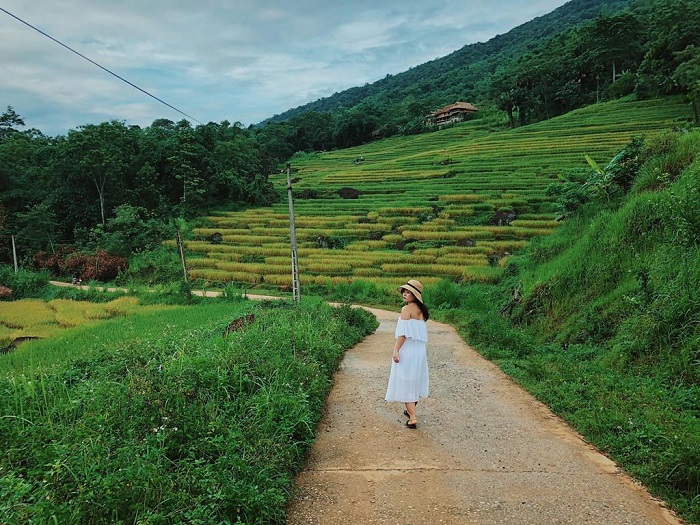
[(485, 451)]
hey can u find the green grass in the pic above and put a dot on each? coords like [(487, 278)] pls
[(158, 418), (642, 419)]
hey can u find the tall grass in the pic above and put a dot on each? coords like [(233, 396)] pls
[(160, 419)]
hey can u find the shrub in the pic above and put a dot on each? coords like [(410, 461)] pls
[(24, 283), (443, 295), (331, 242), (159, 266), (99, 267), (681, 210)]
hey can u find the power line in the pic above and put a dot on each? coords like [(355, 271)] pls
[(98, 65)]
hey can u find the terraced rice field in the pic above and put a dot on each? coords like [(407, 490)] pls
[(432, 206), (42, 319)]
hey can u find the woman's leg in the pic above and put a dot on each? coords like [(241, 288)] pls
[(411, 409)]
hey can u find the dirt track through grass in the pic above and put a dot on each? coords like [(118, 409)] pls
[(485, 452)]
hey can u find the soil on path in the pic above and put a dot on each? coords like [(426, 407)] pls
[(200, 293), (485, 451)]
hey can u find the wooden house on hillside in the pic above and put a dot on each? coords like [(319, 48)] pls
[(456, 112)]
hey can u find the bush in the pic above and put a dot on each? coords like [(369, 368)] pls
[(99, 267), (569, 196), (331, 242), (443, 295), (24, 283), (159, 266)]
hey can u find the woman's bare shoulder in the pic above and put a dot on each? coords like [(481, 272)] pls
[(411, 311)]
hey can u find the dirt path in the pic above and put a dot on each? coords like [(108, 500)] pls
[(485, 451), (200, 293)]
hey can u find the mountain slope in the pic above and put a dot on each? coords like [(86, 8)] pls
[(440, 81)]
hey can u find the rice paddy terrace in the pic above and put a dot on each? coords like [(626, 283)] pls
[(450, 204)]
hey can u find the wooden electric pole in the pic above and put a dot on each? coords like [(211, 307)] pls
[(296, 289), (181, 249), (14, 253)]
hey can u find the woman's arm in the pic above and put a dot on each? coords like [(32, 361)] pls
[(399, 343)]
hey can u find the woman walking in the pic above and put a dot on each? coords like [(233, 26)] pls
[(408, 379)]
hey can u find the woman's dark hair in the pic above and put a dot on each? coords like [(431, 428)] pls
[(424, 310)]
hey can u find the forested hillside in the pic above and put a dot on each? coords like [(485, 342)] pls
[(581, 53), (464, 74)]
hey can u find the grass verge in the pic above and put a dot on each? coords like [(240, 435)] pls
[(158, 418)]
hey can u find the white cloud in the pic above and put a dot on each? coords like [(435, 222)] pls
[(216, 60)]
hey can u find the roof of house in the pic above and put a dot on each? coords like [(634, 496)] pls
[(466, 106)]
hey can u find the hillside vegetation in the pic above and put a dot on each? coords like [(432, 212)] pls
[(461, 75), (581, 53), (136, 184), (451, 204), (607, 331)]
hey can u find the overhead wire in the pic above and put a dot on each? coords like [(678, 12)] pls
[(98, 65)]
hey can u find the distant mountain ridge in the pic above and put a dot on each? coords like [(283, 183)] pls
[(441, 81)]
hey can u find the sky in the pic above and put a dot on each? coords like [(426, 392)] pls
[(215, 60)]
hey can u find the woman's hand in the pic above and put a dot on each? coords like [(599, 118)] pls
[(396, 356)]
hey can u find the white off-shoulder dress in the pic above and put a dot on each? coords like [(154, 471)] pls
[(408, 379)]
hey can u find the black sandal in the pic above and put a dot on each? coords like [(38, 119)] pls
[(411, 425)]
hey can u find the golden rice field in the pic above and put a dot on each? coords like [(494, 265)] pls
[(428, 205), (41, 319)]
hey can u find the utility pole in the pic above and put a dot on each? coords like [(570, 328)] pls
[(181, 249), (14, 253), (296, 289)]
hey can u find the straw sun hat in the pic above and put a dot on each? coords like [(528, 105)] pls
[(415, 287)]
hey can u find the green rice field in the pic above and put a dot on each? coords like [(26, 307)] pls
[(453, 204)]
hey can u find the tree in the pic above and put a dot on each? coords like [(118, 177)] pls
[(353, 127), (130, 231), (687, 75), (674, 26), (36, 228), (502, 93), (25, 160), (612, 44), (275, 142), (103, 154), (8, 121), (185, 162), (313, 131)]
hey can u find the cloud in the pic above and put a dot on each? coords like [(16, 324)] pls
[(216, 60)]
